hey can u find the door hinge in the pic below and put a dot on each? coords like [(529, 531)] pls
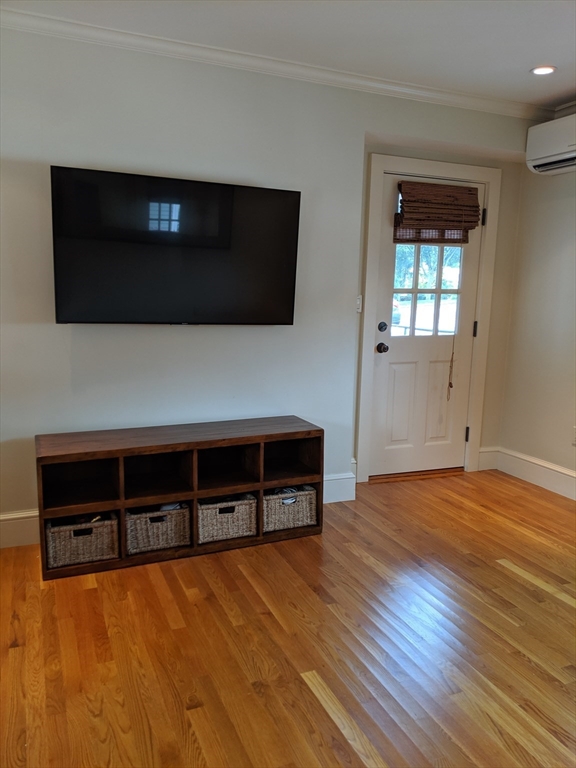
[(483, 217), (359, 303), (475, 329), (467, 434)]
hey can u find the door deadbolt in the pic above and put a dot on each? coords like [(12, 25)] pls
[(383, 326)]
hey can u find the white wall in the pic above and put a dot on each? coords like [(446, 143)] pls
[(539, 407), (72, 103)]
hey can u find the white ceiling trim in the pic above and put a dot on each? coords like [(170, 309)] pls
[(47, 25)]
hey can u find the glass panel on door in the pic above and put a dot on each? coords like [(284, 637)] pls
[(428, 266), (451, 266), (425, 305), (423, 275), (448, 315), (401, 314)]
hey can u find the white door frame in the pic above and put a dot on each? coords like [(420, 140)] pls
[(379, 165)]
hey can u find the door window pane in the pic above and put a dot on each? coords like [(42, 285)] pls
[(424, 324), (401, 313), (428, 266), (448, 315), (427, 284), (451, 267), (404, 269)]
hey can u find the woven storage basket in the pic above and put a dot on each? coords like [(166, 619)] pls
[(159, 529), (290, 508), (226, 519), (81, 542)]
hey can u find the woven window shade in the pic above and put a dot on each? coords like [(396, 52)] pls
[(435, 213)]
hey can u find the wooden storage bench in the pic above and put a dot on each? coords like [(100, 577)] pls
[(208, 469)]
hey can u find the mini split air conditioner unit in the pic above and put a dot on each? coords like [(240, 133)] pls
[(551, 147)]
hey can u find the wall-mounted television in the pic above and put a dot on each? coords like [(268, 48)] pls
[(130, 248)]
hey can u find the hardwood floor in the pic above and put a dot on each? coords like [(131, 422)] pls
[(432, 624)]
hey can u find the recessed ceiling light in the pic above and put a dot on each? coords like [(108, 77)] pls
[(543, 70)]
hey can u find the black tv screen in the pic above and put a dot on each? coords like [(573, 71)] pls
[(144, 249)]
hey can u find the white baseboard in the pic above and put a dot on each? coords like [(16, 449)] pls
[(19, 528), (339, 487), (550, 476), (488, 458)]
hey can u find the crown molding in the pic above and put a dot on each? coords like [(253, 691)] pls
[(565, 109), (47, 25)]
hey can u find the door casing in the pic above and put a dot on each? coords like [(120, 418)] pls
[(491, 177)]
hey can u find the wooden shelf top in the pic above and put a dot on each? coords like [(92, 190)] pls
[(71, 444)]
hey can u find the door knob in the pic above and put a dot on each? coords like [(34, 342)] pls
[(382, 347)]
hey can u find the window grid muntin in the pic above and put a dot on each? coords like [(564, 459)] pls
[(163, 217), (438, 291)]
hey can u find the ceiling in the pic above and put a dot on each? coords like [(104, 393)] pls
[(476, 53)]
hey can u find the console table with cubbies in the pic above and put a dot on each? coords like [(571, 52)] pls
[(198, 488)]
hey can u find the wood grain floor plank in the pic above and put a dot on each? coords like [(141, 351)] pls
[(334, 647), (459, 727), (517, 756), (535, 700), (99, 636), (416, 617), (506, 629), (348, 727), (525, 730), (180, 595), (448, 522), (259, 734), (278, 683), (111, 726), (431, 624), (166, 596), (80, 746), (34, 680), (552, 589), (223, 588), (216, 732), (353, 681), (152, 651), (153, 730), (7, 558), (281, 680), (83, 747), (13, 725)]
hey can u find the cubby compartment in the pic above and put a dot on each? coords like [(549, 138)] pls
[(81, 539), (157, 474), (226, 518), (71, 483), (228, 466), (157, 527), (290, 459)]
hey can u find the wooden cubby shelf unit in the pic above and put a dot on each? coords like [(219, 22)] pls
[(85, 476)]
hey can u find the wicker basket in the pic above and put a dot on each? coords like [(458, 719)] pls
[(290, 508), (228, 518), (158, 529), (82, 541)]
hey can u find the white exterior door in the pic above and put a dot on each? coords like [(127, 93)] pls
[(426, 296)]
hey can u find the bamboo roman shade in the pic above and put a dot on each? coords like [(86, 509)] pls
[(435, 213)]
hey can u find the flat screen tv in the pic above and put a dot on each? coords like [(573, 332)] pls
[(143, 249)]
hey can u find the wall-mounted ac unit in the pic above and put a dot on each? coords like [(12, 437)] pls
[(551, 147)]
